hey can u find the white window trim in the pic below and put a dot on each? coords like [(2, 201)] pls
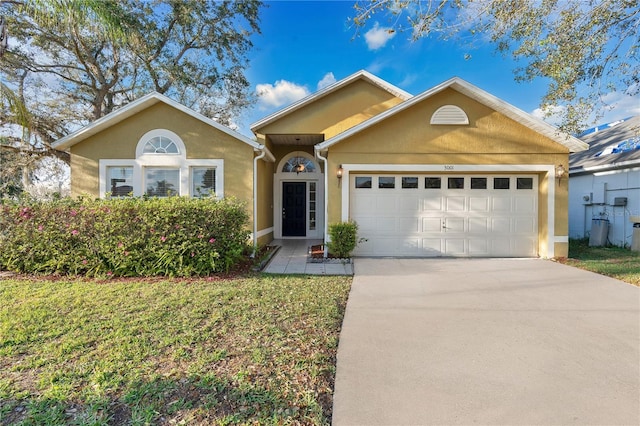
[(298, 154), (161, 162), (164, 133), (203, 167), (279, 177), (168, 161)]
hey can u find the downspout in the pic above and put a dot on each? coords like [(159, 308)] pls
[(263, 153), (326, 201)]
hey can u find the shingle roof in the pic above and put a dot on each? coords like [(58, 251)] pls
[(615, 147)]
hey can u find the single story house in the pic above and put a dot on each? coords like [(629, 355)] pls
[(605, 183), (453, 171)]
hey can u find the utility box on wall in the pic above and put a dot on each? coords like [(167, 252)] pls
[(599, 232)]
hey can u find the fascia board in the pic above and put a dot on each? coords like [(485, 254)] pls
[(133, 108), (479, 95), (328, 90)]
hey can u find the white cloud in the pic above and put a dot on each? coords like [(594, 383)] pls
[(327, 80), (378, 37), (281, 93), (555, 114), (619, 105)]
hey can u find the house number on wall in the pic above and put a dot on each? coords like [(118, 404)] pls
[(447, 167)]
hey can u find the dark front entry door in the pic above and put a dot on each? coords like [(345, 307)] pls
[(294, 200)]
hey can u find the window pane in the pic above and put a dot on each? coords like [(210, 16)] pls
[(386, 182), (363, 182), (299, 165), (161, 145), (162, 182), (409, 182), (203, 181), (478, 183), (524, 183), (500, 183), (432, 183), (120, 181), (456, 183)]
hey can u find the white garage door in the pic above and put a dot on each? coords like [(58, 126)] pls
[(445, 215)]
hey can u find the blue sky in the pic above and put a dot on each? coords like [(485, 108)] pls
[(306, 45)]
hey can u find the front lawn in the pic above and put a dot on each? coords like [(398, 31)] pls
[(248, 350), (616, 262)]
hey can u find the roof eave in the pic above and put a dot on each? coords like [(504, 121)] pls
[(255, 127), (479, 95), (132, 109), (604, 167)]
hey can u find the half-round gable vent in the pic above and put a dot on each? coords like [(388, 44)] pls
[(449, 114)]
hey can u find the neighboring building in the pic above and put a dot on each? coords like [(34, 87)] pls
[(453, 171), (605, 182)]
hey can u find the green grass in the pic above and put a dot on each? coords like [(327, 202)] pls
[(617, 262), (240, 351)]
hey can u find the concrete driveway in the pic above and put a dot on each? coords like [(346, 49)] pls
[(487, 341)]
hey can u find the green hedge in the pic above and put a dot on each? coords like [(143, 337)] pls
[(174, 236)]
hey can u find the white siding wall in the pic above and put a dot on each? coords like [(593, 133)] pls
[(609, 185)]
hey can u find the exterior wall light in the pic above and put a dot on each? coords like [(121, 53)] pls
[(560, 172), (339, 173)]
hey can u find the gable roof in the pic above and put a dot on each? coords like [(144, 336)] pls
[(615, 147), (135, 107), (360, 75), (477, 94)]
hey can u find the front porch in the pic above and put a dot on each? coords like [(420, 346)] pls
[(292, 256)]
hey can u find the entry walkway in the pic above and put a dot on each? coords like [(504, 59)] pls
[(292, 257)]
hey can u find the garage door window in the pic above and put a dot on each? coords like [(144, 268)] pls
[(363, 182), (456, 183), (386, 182), (524, 183), (478, 183), (500, 183), (432, 183), (409, 182)]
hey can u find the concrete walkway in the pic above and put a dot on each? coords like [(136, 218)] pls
[(291, 258), (487, 341)]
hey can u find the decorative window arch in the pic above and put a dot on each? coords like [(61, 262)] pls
[(449, 115), (160, 142), (160, 169), (298, 162)]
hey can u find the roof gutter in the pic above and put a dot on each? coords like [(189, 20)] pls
[(604, 167), (264, 152), (326, 200)]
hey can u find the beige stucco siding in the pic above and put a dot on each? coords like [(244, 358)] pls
[(335, 112), (201, 140), (490, 138), (265, 201)]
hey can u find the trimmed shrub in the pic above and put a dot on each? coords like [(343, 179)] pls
[(344, 238), (175, 236)]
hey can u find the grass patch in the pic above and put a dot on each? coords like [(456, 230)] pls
[(248, 350), (615, 262)]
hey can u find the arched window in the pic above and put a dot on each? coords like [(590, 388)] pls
[(161, 145), (299, 164)]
